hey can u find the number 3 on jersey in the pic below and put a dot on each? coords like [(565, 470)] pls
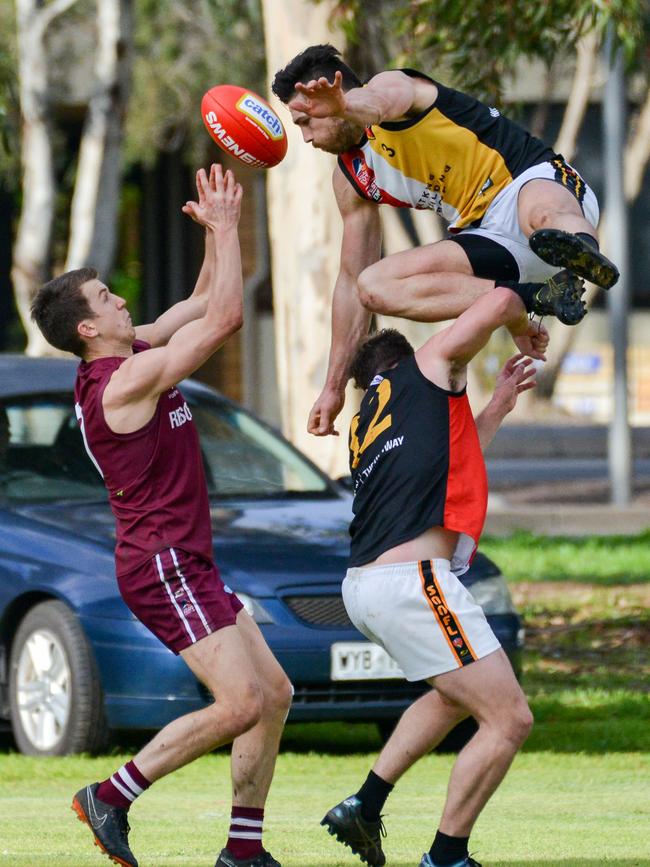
[(376, 427)]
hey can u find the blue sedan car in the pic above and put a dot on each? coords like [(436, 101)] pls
[(75, 664)]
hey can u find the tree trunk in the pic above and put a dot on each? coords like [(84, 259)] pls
[(32, 244), (562, 337), (637, 154), (305, 238), (93, 218), (578, 100)]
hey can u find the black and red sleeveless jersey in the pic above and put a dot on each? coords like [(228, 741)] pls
[(416, 462), (154, 476)]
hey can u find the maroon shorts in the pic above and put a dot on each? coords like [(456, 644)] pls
[(180, 597)]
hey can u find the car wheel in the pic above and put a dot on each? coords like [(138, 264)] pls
[(55, 697), (451, 743)]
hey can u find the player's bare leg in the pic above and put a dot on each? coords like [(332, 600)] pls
[(552, 220), (221, 661), (428, 284), (489, 691), (254, 752), (420, 729)]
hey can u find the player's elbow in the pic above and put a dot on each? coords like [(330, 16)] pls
[(231, 324), (505, 305)]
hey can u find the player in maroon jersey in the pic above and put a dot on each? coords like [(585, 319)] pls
[(139, 432), (420, 499)]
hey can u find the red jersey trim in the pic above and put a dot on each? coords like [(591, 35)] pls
[(466, 498)]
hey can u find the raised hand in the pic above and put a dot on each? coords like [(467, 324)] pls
[(534, 342), (516, 376), (320, 98), (219, 199)]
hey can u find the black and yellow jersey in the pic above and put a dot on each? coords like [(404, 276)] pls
[(416, 462), (454, 158)]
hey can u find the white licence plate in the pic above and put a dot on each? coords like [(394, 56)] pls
[(362, 660)]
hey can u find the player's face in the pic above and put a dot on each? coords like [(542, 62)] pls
[(112, 320), (331, 134)]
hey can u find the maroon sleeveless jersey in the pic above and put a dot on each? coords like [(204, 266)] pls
[(154, 476)]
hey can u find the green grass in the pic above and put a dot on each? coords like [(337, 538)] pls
[(551, 810), (590, 559), (577, 795)]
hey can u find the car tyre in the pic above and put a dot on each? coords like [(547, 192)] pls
[(55, 696)]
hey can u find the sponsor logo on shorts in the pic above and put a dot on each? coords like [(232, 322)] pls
[(446, 618)]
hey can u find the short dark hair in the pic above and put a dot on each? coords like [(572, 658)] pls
[(60, 305), (377, 353), (314, 62)]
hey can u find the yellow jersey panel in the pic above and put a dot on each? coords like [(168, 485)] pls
[(454, 158)]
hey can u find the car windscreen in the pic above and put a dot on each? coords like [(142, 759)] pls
[(42, 456)]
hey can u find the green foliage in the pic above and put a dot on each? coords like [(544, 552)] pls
[(479, 43), (181, 50), (9, 112)]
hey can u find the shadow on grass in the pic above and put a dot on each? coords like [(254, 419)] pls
[(571, 862), (551, 861)]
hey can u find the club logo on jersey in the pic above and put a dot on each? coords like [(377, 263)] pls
[(178, 417), (486, 186), (366, 179)]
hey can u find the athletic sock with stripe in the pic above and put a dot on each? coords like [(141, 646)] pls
[(123, 787), (245, 835)]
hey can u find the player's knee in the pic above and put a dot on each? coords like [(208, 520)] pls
[(520, 722), (371, 291), (546, 214), (247, 710), (279, 697)]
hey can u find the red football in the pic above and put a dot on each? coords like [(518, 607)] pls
[(244, 125)]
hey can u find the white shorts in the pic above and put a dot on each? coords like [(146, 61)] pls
[(421, 615), (501, 223)]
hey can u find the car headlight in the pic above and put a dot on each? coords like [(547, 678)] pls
[(254, 608), (493, 596)]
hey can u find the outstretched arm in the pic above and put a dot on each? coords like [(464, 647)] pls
[(361, 246), (444, 357), (144, 376), (387, 96), (516, 376), (158, 333)]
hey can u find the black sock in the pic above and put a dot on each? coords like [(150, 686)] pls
[(448, 850), (526, 291), (373, 796), (588, 239)]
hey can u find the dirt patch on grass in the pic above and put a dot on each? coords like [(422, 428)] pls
[(586, 635)]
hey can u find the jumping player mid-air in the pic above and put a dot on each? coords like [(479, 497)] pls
[(517, 211), (139, 432), (420, 498)]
